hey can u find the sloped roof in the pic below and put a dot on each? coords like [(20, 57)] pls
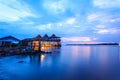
[(38, 37), (45, 36), (54, 36), (9, 37)]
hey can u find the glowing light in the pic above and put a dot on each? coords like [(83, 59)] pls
[(42, 57)]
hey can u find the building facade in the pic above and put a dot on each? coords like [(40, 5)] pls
[(45, 42), (8, 41)]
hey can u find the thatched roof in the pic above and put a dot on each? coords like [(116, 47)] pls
[(45, 36), (38, 37), (54, 36)]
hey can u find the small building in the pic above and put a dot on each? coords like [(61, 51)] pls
[(26, 42), (9, 41)]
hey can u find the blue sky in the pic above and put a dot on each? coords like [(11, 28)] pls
[(73, 20)]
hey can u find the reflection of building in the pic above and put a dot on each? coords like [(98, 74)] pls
[(39, 58), (9, 41), (35, 59), (42, 43)]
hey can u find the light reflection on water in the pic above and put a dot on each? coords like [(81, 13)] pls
[(67, 63)]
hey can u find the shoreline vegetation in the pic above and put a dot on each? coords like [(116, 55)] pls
[(93, 44)]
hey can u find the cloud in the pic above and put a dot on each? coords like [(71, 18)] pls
[(76, 39), (70, 26), (107, 31), (71, 21), (92, 17), (66, 7), (43, 27), (100, 16), (29, 23), (106, 3), (59, 24), (14, 10), (67, 22), (104, 22), (54, 7), (101, 26)]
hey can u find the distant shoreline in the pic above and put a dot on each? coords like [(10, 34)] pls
[(95, 44)]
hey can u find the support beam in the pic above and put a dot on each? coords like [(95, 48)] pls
[(39, 46)]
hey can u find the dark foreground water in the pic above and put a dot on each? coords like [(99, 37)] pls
[(67, 63)]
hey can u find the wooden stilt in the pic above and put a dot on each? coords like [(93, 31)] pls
[(39, 46)]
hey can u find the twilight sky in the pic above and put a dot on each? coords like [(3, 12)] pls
[(73, 20)]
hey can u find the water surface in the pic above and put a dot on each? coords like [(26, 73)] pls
[(86, 62)]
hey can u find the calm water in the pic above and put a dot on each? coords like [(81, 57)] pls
[(67, 63)]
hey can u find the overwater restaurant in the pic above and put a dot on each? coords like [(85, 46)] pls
[(41, 43)]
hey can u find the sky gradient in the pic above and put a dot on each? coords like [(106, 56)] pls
[(73, 20)]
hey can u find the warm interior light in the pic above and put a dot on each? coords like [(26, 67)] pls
[(44, 45)]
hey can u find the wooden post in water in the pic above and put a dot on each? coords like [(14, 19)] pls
[(39, 46)]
